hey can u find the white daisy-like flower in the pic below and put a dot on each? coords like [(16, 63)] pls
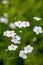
[(16, 39), (12, 26), (28, 49), (22, 54), (5, 2), (25, 24), (12, 47), (9, 33), (18, 24), (36, 18), (4, 20), (37, 29), (22, 24)]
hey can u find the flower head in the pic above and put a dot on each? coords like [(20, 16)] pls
[(3, 20), (22, 54), (25, 24), (9, 33), (12, 25), (18, 24), (12, 47), (36, 18), (16, 39), (28, 49), (37, 29)]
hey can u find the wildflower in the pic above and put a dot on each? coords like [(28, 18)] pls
[(12, 25), (25, 24), (3, 20), (28, 49), (12, 47), (37, 29), (9, 33), (22, 54), (22, 24), (36, 18), (16, 39), (18, 24)]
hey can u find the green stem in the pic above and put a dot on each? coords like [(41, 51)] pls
[(7, 62)]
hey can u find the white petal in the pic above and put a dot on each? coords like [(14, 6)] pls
[(9, 48)]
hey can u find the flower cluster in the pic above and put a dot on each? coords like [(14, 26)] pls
[(27, 49), (15, 38), (19, 24), (37, 29), (9, 33), (4, 19)]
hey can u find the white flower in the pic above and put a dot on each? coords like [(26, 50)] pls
[(12, 25), (25, 24), (28, 49), (36, 18), (37, 29), (22, 54), (16, 39), (9, 33), (3, 20), (22, 24), (12, 47), (18, 24), (5, 2)]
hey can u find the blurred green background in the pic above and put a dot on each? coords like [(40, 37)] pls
[(23, 10)]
